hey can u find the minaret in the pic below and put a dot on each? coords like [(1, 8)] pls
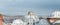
[(1, 19)]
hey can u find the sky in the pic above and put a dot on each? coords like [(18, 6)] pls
[(21, 7)]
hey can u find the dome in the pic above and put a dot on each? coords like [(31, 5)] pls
[(18, 22), (56, 14)]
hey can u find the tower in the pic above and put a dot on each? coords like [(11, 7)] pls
[(0, 19)]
